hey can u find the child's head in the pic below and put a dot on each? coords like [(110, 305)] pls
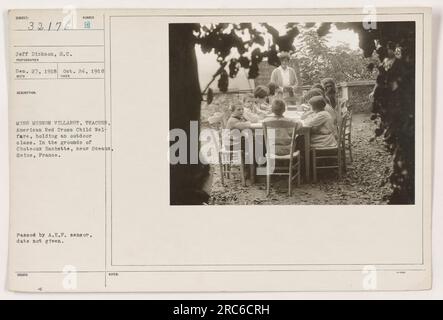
[(312, 93), (261, 92), (318, 86), (278, 107), (272, 86), (288, 92), (318, 103), (248, 100), (237, 109)]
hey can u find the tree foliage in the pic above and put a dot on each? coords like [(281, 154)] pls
[(249, 43), (318, 60), (394, 100)]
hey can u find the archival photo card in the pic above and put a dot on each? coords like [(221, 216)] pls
[(220, 150)]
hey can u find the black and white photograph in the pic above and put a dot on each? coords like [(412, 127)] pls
[(292, 113), (199, 151)]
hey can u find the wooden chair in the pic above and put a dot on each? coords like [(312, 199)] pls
[(292, 169), (347, 141), (341, 109), (334, 153), (230, 159)]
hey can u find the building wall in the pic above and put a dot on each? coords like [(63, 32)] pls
[(357, 94)]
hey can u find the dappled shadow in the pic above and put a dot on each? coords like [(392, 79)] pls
[(365, 183)]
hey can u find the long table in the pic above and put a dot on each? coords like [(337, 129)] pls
[(304, 131)]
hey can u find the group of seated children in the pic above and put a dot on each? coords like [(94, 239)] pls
[(319, 115), (275, 92), (258, 106)]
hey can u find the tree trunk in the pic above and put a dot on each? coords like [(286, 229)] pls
[(184, 106)]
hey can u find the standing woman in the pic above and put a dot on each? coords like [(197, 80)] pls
[(284, 75)]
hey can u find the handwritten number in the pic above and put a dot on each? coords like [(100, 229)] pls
[(56, 26)]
